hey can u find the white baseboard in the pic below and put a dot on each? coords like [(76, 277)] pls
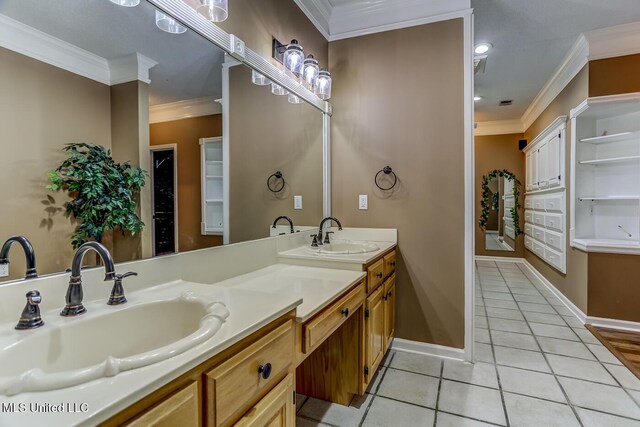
[(417, 347), (614, 324), (570, 305), (498, 258)]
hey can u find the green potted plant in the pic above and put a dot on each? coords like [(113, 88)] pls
[(103, 192)]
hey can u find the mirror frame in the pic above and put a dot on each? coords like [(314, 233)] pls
[(236, 51), (485, 202)]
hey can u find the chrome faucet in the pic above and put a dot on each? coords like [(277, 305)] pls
[(285, 218), (74, 306), (28, 252), (329, 218)]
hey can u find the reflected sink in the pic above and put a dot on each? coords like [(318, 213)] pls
[(347, 248), (78, 350)]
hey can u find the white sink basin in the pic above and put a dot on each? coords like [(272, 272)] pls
[(77, 350), (347, 248)]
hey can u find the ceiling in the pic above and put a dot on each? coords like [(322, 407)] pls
[(530, 39), (188, 66)]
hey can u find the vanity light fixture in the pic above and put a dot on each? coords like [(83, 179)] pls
[(323, 88), (258, 79), (477, 98), (482, 48), (310, 72), (276, 89), (293, 58), (213, 10), (294, 99), (126, 3), (168, 24)]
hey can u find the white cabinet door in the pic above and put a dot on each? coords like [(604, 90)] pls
[(543, 169), (528, 180), (534, 170), (553, 160)]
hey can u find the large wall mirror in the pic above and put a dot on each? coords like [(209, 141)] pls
[(96, 73), (500, 205)]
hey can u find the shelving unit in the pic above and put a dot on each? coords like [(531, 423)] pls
[(214, 197), (605, 146)]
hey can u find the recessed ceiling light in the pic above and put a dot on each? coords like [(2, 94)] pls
[(477, 98), (483, 48)]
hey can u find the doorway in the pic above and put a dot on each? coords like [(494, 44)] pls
[(164, 199)]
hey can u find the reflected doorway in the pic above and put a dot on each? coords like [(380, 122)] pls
[(164, 194)]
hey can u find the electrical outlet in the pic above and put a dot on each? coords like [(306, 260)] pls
[(363, 202), (297, 202), (4, 270)]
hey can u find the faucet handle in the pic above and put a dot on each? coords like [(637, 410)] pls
[(314, 243), (30, 318), (117, 292), (326, 237)]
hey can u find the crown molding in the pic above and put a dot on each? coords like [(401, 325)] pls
[(318, 12), (130, 68), (499, 127), (184, 109), (620, 40), (28, 41)]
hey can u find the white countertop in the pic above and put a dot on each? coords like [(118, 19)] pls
[(308, 253), (316, 286), (250, 311)]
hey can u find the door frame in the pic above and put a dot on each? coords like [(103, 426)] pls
[(174, 148)]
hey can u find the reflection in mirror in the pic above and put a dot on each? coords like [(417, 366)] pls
[(500, 203), (97, 73)]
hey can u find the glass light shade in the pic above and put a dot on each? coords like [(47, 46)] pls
[(168, 24), (310, 72), (323, 88), (126, 3), (293, 58), (278, 90), (294, 99), (213, 10), (259, 79)]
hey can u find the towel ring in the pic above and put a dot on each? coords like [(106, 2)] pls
[(277, 176), (387, 171)]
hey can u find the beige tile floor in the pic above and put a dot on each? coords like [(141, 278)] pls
[(536, 366)]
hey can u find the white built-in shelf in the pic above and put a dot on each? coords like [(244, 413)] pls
[(616, 246), (610, 160), (614, 137), (211, 162), (220, 176), (608, 198), (214, 200)]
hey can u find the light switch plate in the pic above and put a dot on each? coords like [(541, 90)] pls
[(297, 202), (4, 270), (363, 202)]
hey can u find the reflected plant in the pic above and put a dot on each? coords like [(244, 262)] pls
[(485, 203), (102, 192)]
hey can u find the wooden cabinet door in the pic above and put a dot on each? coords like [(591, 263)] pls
[(389, 311), (181, 409), (375, 338), (276, 409)]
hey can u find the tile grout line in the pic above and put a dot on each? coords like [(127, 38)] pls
[(627, 392), (569, 403), (435, 415), (375, 390), (495, 361)]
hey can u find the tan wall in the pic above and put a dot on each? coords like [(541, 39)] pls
[(407, 114), (268, 134), (257, 21), (186, 135), (573, 284), (612, 76), (42, 108), (498, 152)]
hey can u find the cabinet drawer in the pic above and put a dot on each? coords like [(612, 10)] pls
[(554, 222), (528, 216), (554, 203), (275, 409), (234, 386), (389, 263), (375, 274), (182, 409), (538, 219), (328, 320), (538, 234), (528, 229), (528, 243), (538, 204), (538, 249), (528, 203), (553, 239), (554, 258)]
